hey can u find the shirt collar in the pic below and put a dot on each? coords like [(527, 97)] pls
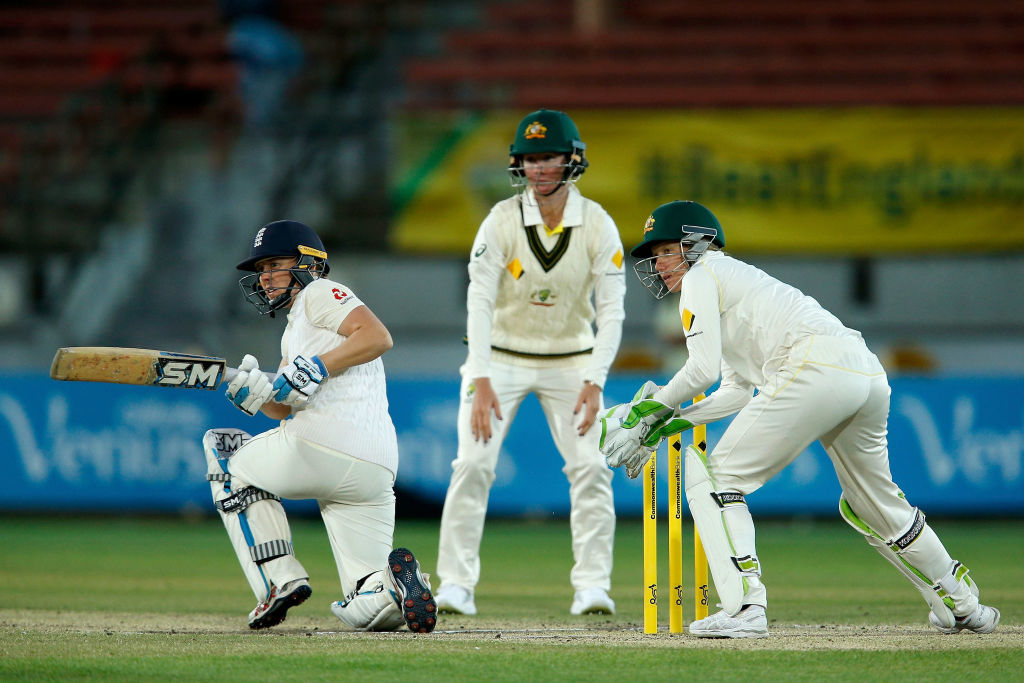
[(571, 217)]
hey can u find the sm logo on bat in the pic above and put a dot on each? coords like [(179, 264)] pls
[(189, 374)]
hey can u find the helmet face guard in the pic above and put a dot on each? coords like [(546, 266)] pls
[(308, 268), (283, 239), (694, 243), (571, 171), (690, 224), (547, 132)]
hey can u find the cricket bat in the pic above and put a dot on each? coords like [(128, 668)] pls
[(139, 366)]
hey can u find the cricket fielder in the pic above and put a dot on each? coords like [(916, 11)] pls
[(336, 444), (815, 380), (546, 265)]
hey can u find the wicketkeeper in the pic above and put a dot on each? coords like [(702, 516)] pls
[(815, 380), (336, 444)]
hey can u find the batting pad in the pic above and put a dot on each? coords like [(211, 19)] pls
[(727, 531), (254, 519)]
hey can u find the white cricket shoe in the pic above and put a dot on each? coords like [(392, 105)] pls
[(751, 622), (455, 599), (275, 609), (982, 620), (371, 605), (592, 601)]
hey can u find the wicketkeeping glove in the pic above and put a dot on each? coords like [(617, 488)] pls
[(631, 431), (250, 388), (622, 446), (299, 380)]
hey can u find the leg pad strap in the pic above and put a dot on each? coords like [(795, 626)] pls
[(270, 550), (916, 527), (243, 498)]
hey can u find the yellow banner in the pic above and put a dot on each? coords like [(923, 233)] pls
[(835, 181)]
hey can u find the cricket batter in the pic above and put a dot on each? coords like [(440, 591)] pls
[(545, 265), (336, 443), (815, 380)]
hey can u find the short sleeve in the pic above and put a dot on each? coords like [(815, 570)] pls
[(328, 303)]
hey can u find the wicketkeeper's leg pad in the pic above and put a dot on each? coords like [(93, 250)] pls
[(727, 531), (919, 555), (255, 520)]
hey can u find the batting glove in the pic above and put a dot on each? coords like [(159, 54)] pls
[(250, 388), (299, 380)]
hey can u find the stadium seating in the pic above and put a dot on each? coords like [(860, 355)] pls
[(79, 81), (662, 53), (89, 90)]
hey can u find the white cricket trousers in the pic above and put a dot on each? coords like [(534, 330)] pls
[(592, 511), (831, 389), (356, 498)]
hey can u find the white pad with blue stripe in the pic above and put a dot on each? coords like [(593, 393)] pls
[(255, 521)]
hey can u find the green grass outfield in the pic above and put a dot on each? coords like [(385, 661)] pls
[(162, 599)]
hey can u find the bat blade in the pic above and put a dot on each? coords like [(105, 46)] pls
[(146, 367)]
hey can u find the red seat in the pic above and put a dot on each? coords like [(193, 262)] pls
[(740, 53), (30, 105), (96, 20)]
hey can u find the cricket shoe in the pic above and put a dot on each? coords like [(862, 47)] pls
[(455, 599), (984, 619), (592, 601), (413, 593), (275, 609), (750, 622), (371, 606)]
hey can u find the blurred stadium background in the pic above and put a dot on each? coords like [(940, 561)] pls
[(871, 152)]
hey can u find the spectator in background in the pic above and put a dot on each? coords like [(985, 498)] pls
[(269, 58)]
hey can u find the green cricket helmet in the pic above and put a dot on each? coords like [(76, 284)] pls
[(544, 131), (687, 223)]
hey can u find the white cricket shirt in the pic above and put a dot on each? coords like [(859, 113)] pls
[(534, 298), (740, 324), (349, 413)]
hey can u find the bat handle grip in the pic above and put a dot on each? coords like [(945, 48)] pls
[(231, 373)]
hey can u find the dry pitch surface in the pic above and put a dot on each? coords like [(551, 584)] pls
[(600, 631)]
